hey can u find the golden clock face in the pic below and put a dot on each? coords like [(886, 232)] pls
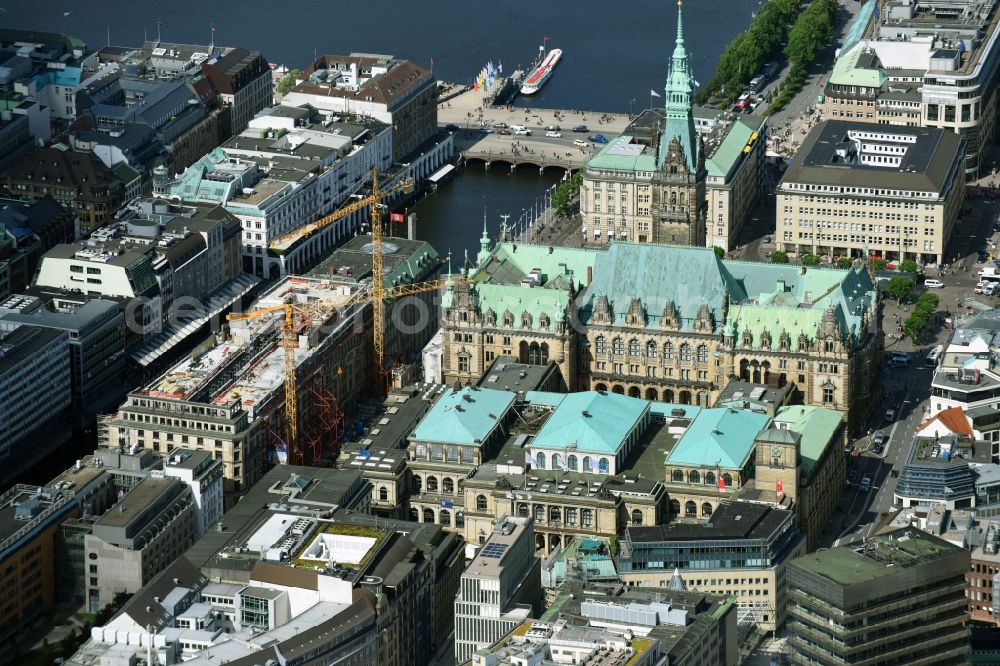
[(775, 451)]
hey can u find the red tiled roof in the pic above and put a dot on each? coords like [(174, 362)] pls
[(953, 419)]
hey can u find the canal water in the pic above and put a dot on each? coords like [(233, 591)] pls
[(613, 56)]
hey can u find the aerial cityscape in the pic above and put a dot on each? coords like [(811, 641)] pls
[(674, 345)]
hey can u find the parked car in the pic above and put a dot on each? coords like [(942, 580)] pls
[(896, 363), (552, 134), (894, 473), (523, 132), (933, 284), (485, 130), (866, 484), (902, 356), (553, 128), (598, 138), (581, 143), (879, 438), (981, 287), (581, 129), (499, 126), (890, 415)]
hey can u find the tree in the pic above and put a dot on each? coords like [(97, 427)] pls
[(288, 81), (779, 257), (878, 264), (908, 266), (811, 260), (900, 287), (844, 262), (719, 252)]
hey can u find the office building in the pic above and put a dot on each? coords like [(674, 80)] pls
[(742, 552), (77, 179), (95, 333), (895, 192), (229, 392), (904, 63), (29, 526), (202, 473), (941, 469), (897, 597), (243, 80), (28, 230), (15, 137), (500, 588), (34, 372), (642, 333), (289, 167), (149, 527), (734, 180)]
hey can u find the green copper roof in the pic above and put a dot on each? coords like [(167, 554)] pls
[(467, 416), (622, 154), (727, 155), (591, 421), (846, 71), (544, 398), (720, 436), (816, 425)]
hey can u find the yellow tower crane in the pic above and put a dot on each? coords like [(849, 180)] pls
[(325, 309), (378, 294)]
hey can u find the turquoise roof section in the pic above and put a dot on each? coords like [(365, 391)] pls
[(467, 416), (622, 154), (725, 158), (592, 422), (720, 437), (69, 76), (815, 425), (846, 71)]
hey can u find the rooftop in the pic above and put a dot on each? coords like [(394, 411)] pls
[(404, 261), (592, 421), (817, 427), (732, 520), (465, 416), (137, 501), (871, 560), (720, 437), (865, 155), (382, 79), (491, 557)]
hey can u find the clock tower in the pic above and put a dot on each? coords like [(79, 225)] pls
[(777, 462)]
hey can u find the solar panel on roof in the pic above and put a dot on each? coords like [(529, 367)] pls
[(494, 550)]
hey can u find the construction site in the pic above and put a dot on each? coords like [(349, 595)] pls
[(229, 395)]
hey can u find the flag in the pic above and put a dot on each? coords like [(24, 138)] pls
[(365, 454), (722, 484), (66, 14), (653, 93), (697, 84), (500, 68), (476, 84), (779, 487), (547, 38), (445, 504), (432, 64), (396, 217), (213, 27), (875, 13)]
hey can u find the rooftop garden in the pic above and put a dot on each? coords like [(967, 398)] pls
[(341, 529)]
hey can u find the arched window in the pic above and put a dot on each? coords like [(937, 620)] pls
[(534, 354), (680, 198), (686, 352), (383, 494), (728, 479), (636, 517), (572, 462), (444, 517), (539, 513), (586, 464), (633, 347), (694, 477), (690, 508), (555, 515), (604, 467), (668, 351), (570, 516), (481, 504), (600, 345), (587, 517), (428, 515), (459, 519), (677, 475), (673, 198), (525, 320), (543, 355), (651, 349), (703, 353), (432, 484), (448, 486), (508, 319), (706, 510), (617, 346), (522, 510), (709, 478), (540, 460), (675, 507)]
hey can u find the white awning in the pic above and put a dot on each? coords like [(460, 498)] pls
[(441, 173)]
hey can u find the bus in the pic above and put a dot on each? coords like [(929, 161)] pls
[(933, 355)]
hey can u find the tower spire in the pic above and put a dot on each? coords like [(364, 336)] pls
[(679, 93), (680, 26)]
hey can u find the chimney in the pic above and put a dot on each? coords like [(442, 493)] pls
[(590, 275), (411, 226)]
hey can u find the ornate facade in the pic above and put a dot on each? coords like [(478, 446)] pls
[(668, 323)]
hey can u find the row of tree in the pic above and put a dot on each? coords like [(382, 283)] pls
[(744, 57), (923, 312), (566, 193)]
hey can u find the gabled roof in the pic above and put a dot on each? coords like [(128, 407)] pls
[(591, 421), (953, 418), (817, 427), (720, 436), (727, 155), (466, 416)]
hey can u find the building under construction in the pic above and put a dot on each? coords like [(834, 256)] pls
[(228, 396)]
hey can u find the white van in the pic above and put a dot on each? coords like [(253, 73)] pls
[(933, 355), (933, 284), (516, 128)]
